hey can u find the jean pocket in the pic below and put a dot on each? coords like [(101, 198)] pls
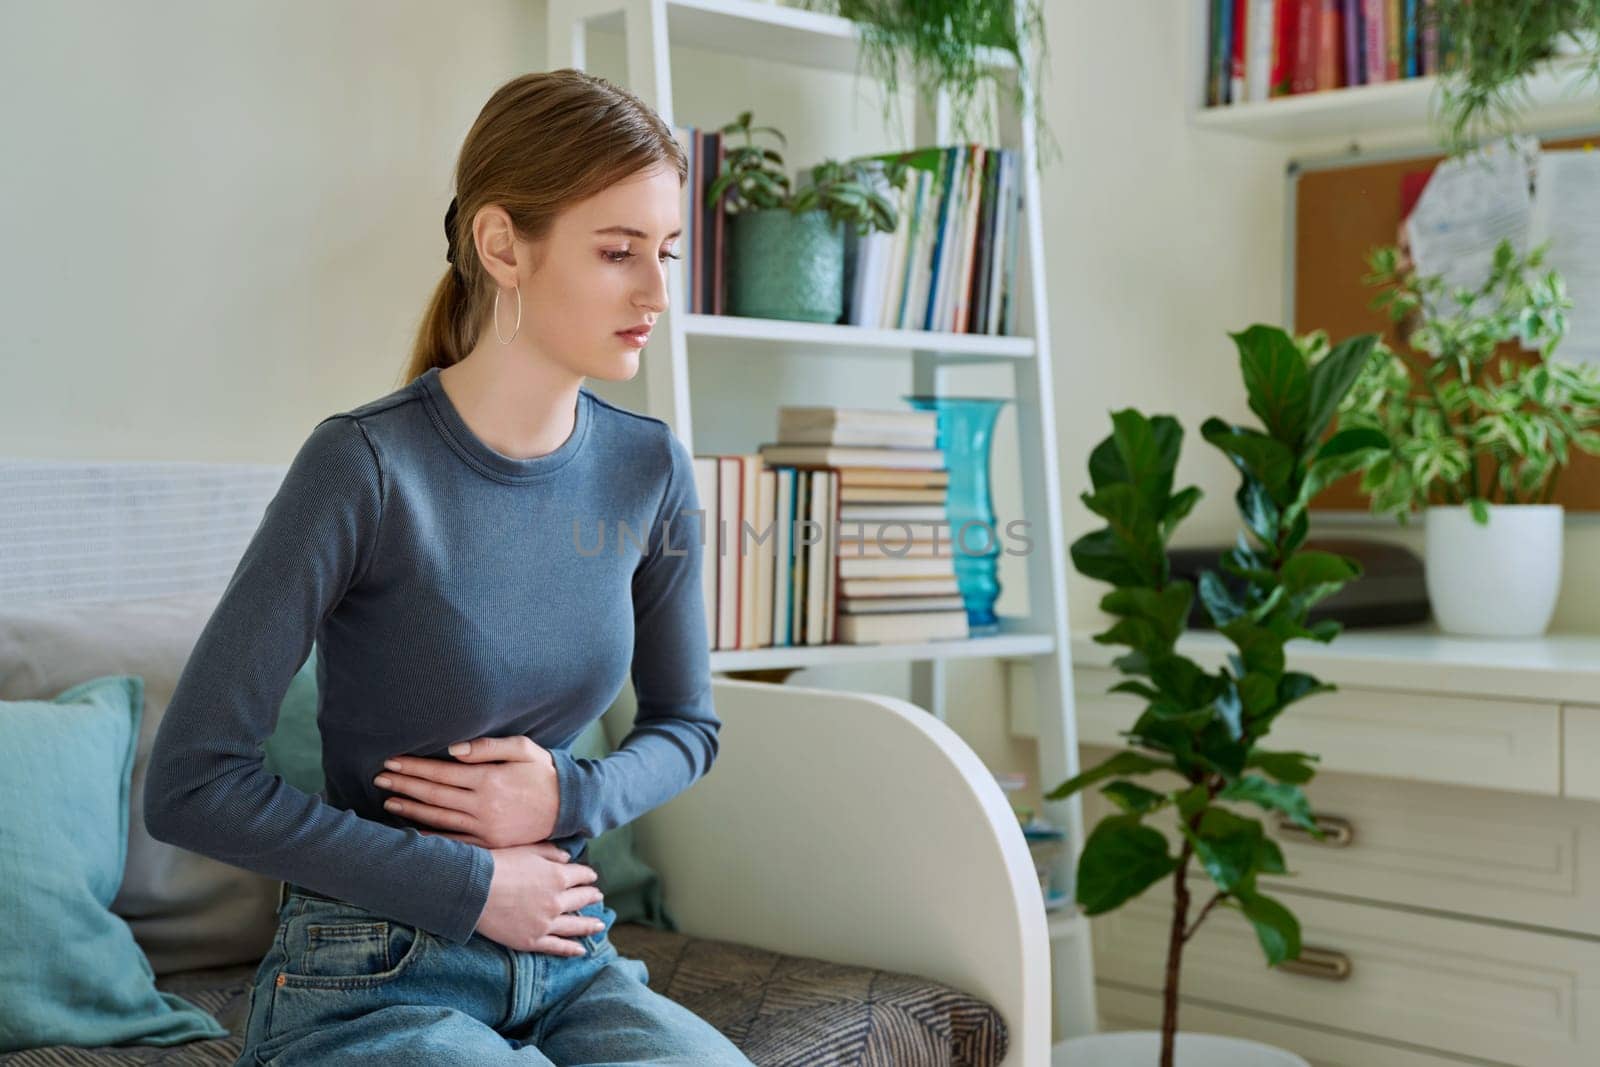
[(600, 941), (326, 951)]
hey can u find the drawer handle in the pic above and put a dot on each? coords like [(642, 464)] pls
[(1319, 963), (1340, 833)]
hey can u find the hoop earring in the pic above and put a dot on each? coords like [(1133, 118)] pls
[(514, 329)]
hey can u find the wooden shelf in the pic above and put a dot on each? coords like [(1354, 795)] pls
[(1009, 643), (780, 331), (770, 32), (1557, 95)]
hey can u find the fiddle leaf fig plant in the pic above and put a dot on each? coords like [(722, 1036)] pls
[(1202, 731)]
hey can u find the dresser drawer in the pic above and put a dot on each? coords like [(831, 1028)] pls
[(1486, 744), (1136, 1009), (1580, 744), (1463, 988), (1504, 856)]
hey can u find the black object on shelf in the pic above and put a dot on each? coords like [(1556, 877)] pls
[(1390, 592)]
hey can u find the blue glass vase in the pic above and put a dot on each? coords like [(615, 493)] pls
[(966, 430)]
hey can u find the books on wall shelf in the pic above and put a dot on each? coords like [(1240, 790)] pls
[(836, 533), (704, 230), (950, 265), (1261, 49)]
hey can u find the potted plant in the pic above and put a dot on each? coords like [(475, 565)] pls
[(1496, 46), (786, 247), (941, 43), (1204, 731), (1478, 437)]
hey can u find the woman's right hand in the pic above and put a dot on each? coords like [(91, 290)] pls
[(533, 889)]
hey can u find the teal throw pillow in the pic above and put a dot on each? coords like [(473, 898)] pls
[(295, 748), (632, 887), (70, 970)]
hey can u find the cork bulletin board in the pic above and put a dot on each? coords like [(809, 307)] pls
[(1340, 211)]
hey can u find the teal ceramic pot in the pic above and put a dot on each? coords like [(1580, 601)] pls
[(786, 266)]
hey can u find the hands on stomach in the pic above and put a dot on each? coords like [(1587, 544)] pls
[(501, 794), (531, 897)]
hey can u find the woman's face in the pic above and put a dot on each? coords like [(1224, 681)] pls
[(602, 269)]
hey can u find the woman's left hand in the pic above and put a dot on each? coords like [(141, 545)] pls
[(502, 793)]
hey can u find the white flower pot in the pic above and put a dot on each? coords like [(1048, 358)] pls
[(1142, 1048), (1499, 580)]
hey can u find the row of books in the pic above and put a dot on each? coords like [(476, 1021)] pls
[(951, 262), (704, 229), (836, 533), (1258, 49)]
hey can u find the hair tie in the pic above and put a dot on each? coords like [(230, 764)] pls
[(450, 233)]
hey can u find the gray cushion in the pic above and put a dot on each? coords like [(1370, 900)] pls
[(186, 911), (779, 1010)]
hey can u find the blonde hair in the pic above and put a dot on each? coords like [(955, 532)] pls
[(543, 141)]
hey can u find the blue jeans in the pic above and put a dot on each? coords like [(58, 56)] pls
[(344, 985)]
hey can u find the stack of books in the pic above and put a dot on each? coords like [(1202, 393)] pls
[(1258, 49), (887, 559), (704, 229), (951, 262)]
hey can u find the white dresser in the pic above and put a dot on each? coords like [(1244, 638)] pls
[(1452, 915)]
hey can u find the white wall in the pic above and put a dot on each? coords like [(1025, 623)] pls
[(221, 222)]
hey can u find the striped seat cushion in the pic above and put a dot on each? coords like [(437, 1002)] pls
[(780, 1010)]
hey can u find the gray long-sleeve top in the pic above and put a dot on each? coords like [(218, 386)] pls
[(454, 592)]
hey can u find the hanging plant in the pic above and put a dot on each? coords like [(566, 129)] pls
[(942, 42), (1494, 47)]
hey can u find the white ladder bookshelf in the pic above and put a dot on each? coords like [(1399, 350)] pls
[(780, 34)]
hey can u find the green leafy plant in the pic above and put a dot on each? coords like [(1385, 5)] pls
[(1497, 45), (943, 43), (1201, 730), (1466, 424), (853, 191)]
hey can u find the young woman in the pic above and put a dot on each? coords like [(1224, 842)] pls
[(481, 556)]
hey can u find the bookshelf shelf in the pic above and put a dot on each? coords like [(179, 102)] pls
[(770, 32), (812, 333), (1556, 95), (1006, 645)]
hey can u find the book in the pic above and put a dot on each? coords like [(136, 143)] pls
[(749, 569), (797, 417), (852, 435), (802, 560), (830, 577), (885, 604), (1374, 24), (906, 567), (888, 476), (892, 494), (893, 547), (892, 513), (719, 229), (902, 627), (817, 563), (781, 455), (730, 482), (784, 564), (705, 485), (868, 588), (766, 553)]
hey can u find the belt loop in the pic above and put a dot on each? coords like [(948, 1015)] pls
[(283, 894)]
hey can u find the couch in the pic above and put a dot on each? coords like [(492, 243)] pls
[(849, 885)]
